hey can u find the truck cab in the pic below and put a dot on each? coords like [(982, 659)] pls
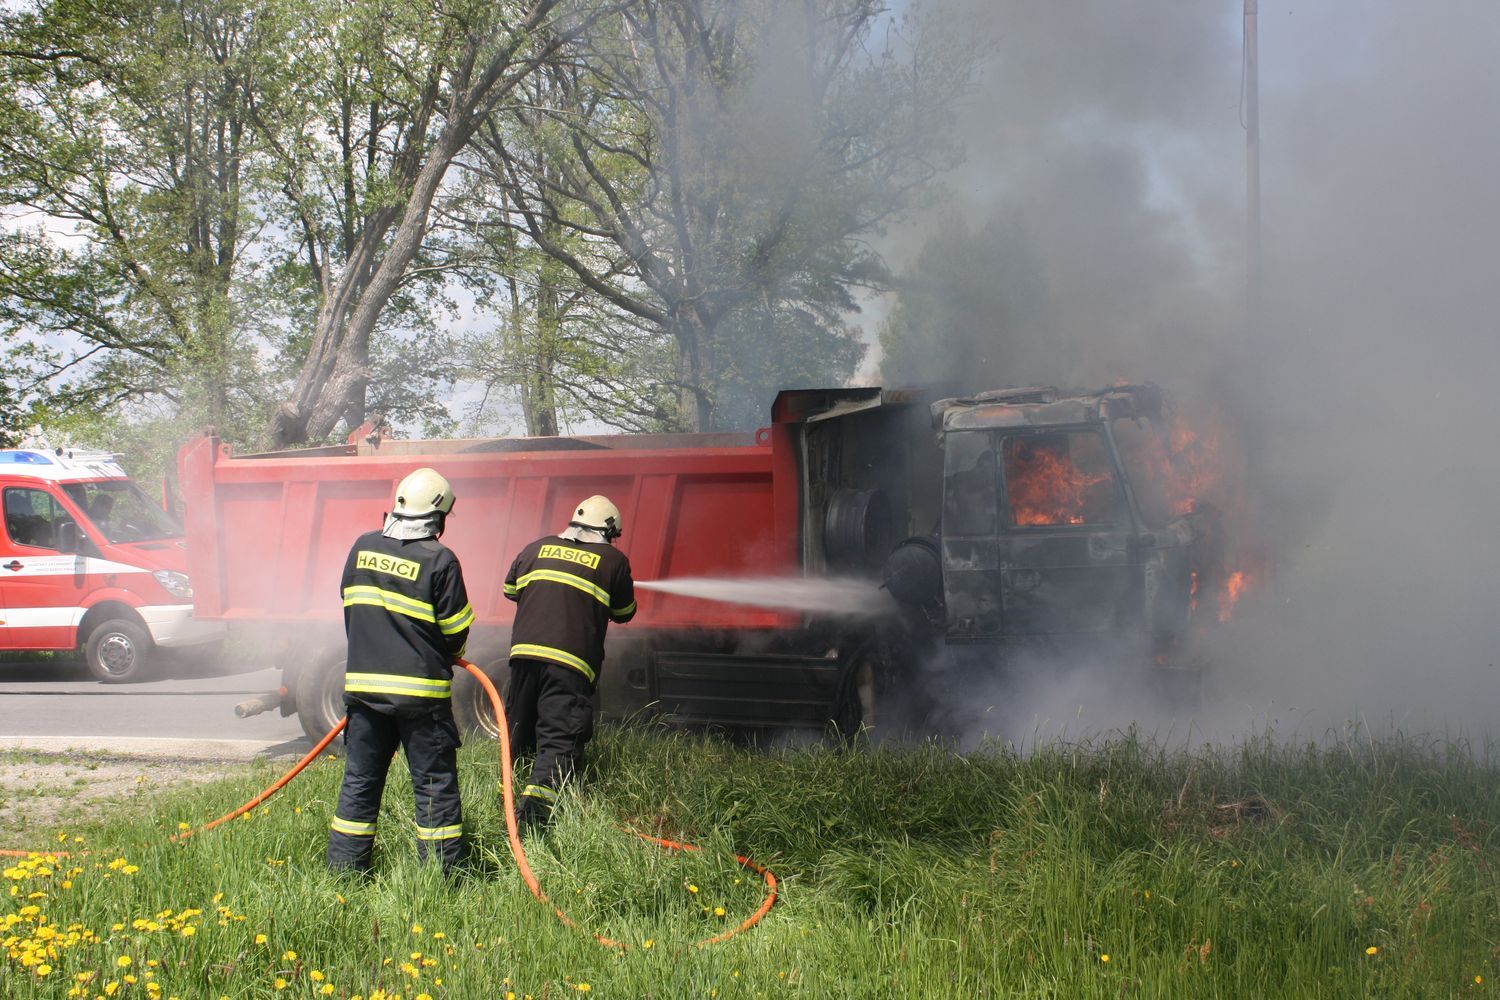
[(1056, 523), (88, 562)]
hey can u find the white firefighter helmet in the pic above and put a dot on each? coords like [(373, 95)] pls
[(598, 513), (421, 493)]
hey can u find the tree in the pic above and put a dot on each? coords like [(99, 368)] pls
[(458, 59), (735, 155), (127, 144)]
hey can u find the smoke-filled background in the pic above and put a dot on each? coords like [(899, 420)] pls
[(1097, 232)]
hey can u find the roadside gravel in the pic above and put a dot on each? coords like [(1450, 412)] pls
[(44, 792)]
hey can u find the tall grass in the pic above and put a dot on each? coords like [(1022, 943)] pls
[(1107, 869)]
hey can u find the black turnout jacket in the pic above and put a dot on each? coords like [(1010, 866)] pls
[(407, 615), (566, 593)]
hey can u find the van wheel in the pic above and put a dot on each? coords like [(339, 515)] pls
[(320, 696), (472, 709), (119, 651)]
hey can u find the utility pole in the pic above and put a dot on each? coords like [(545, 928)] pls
[(1252, 172)]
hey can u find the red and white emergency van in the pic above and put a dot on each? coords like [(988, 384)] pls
[(88, 562)]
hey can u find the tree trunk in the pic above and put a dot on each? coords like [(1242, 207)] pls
[(695, 370)]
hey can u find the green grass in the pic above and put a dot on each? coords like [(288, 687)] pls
[(1263, 870)]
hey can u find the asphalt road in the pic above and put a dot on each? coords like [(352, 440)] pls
[(53, 705)]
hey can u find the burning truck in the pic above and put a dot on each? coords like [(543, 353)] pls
[(963, 529)]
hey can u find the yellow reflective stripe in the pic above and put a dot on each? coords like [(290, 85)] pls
[(351, 828), (457, 622), (417, 687), (511, 590), (532, 651), (540, 792), (627, 609), (391, 601), (440, 832), (576, 582)]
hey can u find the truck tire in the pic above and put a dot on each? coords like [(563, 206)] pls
[(471, 703), (119, 651), (320, 696)]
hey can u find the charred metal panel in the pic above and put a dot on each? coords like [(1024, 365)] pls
[(1055, 583)]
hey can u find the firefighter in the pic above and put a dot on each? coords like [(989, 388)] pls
[(567, 588), (406, 615)]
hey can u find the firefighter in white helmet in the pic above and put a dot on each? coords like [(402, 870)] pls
[(406, 615), (567, 588)]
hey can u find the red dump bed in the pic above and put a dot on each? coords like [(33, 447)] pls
[(267, 534)]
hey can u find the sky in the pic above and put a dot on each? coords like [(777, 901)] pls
[(1108, 139)]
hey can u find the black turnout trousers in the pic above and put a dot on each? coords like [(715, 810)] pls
[(551, 710), (431, 743)]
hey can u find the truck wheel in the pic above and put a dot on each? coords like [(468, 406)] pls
[(471, 703), (119, 651), (854, 711), (320, 696)]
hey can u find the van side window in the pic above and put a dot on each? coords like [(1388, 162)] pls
[(32, 517)]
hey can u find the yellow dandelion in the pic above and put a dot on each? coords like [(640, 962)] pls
[(123, 961), (416, 928), (260, 939), (438, 935), (1478, 980), (129, 978), (184, 826), (1371, 950), (326, 989), (1104, 958), (280, 983), (648, 944), (315, 976), (692, 888), (289, 956), (189, 931), (583, 987), (44, 969)]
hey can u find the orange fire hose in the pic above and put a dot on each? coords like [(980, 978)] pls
[(511, 829)]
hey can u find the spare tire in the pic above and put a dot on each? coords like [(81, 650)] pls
[(857, 529)]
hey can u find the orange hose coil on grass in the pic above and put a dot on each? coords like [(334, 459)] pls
[(511, 830)]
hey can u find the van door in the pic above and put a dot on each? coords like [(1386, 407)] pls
[(41, 588)]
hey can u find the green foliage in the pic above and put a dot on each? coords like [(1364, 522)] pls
[(1098, 870)]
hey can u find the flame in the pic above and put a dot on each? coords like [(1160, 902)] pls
[(1234, 588), (1046, 486), (1195, 465)]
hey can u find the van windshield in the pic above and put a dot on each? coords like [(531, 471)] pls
[(121, 512)]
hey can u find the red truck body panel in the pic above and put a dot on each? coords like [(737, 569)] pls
[(268, 534)]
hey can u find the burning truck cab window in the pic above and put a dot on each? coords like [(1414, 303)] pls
[(1059, 478)]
